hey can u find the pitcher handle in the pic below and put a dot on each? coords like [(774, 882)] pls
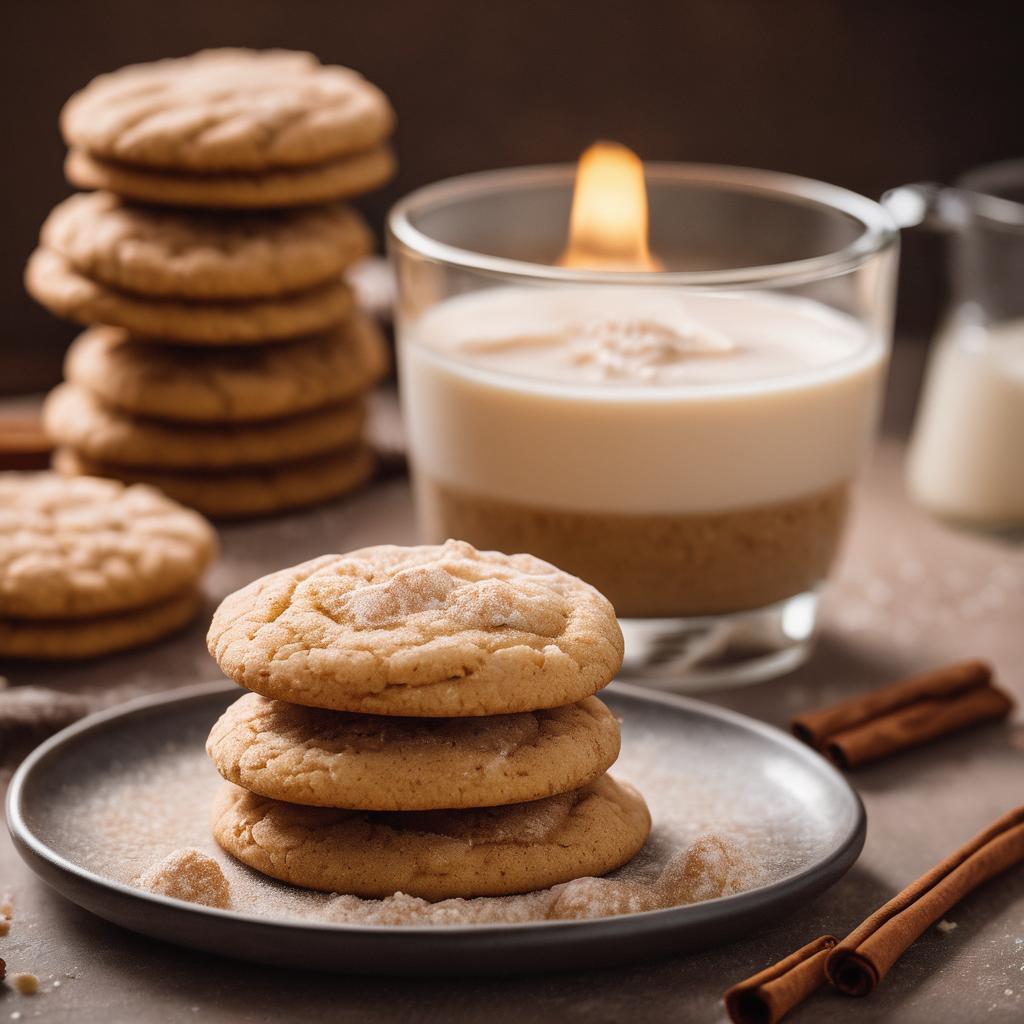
[(926, 204)]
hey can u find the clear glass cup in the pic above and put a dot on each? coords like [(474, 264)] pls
[(707, 500), (966, 457)]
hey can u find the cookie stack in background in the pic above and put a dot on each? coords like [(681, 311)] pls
[(88, 567), (226, 360), (422, 721)]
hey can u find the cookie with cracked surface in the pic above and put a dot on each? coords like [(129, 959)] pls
[(332, 759), (242, 494), (228, 109), (74, 417), (228, 385), (54, 283), (436, 855), (72, 639), (196, 255), (88, 547), (434, 631), (305, 186)]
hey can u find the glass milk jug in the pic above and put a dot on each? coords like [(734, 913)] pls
[(966, 458)]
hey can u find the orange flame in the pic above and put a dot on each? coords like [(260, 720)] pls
[(608, 225)]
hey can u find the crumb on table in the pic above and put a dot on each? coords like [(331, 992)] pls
[(25, 983)]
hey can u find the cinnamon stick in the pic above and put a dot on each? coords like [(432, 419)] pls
[(904, 714), (770, 994), (864, 957), (23, 442)]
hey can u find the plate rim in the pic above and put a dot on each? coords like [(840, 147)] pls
[(706, 911)]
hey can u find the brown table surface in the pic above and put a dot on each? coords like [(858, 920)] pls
[(910, 594)]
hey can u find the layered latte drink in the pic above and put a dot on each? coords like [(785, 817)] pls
[(689, 454)]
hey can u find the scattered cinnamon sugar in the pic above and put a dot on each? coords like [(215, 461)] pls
[(190, 875), (711, 867)]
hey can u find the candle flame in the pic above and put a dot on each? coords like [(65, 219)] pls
[(608, 225)]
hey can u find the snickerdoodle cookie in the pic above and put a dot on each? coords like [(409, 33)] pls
[(92, 637), (227, 385), (190, 255), (333, 759), (436, 854), (85, 547), (301, 186), (74, 417), (228, 110), (52, 280), (245, 493), (424, 631)]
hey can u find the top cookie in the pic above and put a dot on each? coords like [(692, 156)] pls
[(194, 255), (228, 110), (83, 547), (425, 631)]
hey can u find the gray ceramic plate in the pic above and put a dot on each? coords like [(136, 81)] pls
[(697, 765)]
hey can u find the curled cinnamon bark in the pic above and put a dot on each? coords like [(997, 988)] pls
[(864, 957), (905, 714), (770, 994)]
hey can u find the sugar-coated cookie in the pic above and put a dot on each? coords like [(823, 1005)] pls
[(54, 283), (303, 186), (85, 547), (333, 759), (74, 417), (433, 630), (436, 855), (206, 256), (71, 639), (228, 110), (242, 494), (211, 384)]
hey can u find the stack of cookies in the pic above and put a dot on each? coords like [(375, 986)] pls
[(226, 360), (90, 566), (422, 721)]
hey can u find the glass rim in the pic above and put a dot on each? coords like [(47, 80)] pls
[(878, 229)]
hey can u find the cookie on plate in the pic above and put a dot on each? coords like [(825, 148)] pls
[(75, 418), (52, 280), (436, 855), (304, 186), (245, 493), (445, 631), (206, 256), (74, 548), (227, 385), (332, 759), (228, 110)]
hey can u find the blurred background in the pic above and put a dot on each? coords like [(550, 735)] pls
[(863, 93)]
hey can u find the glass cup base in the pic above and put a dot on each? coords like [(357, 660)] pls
[(717, 652)]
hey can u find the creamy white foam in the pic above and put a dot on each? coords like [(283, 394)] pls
[(965, 459), (637, 400)]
